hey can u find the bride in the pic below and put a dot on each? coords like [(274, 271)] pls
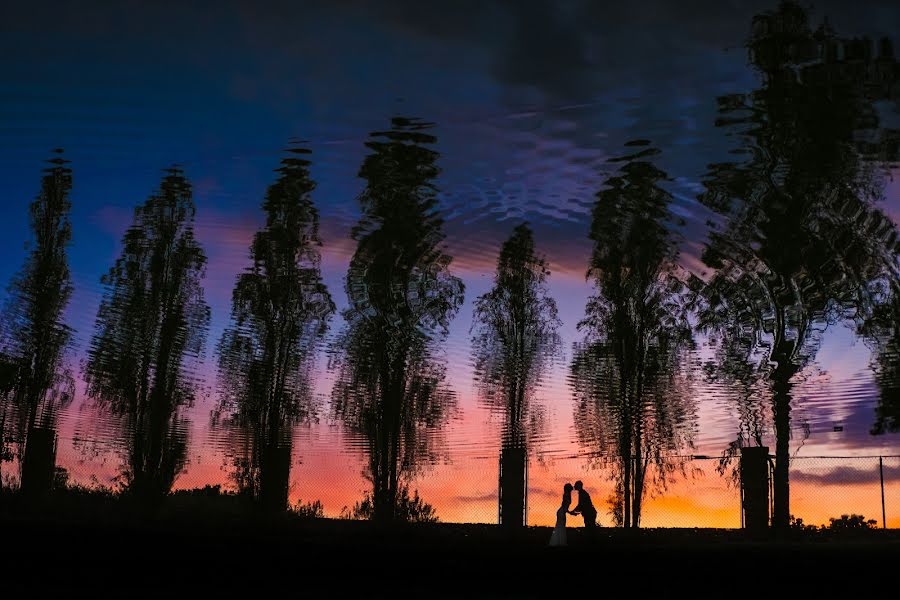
[(558, 537)]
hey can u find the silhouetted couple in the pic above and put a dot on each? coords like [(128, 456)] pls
[(585, 508)]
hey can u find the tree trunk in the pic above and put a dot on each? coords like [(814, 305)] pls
[(626, 491), (38, 462), (640, 469), (382, 506), (782, 412), (384, 497), (274, 476), (512, 486)]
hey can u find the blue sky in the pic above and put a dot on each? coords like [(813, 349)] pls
[(530, 99)]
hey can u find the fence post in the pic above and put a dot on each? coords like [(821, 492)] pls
[(500, 490), (513, 472), (39, 462), (881, 473), (755, 487), (525, 500)]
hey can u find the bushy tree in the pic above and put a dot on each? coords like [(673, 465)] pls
[(35, 383), (280, 311), (515, 337), (633, 404), (151, 322), (802, 243), (401, 296)]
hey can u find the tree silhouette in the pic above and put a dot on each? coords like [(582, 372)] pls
[(629, 375), (515, 336), (152, 319), (389, 390), (882, 329), (35, 339), (7, 382), (803, 244), (280, 310)]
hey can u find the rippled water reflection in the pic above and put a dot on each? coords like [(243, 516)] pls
[(584, 268)]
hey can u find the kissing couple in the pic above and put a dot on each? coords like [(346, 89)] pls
[(584, 507)]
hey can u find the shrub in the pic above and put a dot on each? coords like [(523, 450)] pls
[(799, 525), (852, 521), (309, 510), (409, 509)]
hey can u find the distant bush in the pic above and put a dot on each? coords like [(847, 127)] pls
[(852, 521), (94, 489), (206, 503), (409, 509), (207, 491), (309, 510), (799, 525)]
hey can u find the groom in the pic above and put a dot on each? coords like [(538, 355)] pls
[(585, 507)]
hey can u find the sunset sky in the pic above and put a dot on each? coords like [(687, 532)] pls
[(529, 103)]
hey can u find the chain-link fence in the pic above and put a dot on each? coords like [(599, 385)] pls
[(825, 487), (691, 491), (695, 492), (706, 492), (688, 492)]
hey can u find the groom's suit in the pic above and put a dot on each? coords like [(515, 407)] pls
[(586, 508)]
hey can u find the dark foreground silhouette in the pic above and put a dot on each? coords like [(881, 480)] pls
[(193, 547)]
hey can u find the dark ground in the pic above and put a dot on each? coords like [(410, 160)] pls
[(355, 559), (205, 553)]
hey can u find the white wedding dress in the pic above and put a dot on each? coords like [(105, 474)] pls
[(558, 537)]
